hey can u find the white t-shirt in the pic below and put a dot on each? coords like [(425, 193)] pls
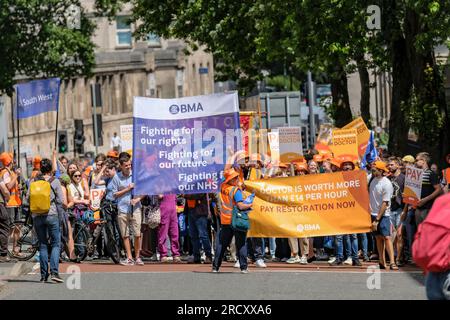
[(77, 192), (115, 142), (380, 190)]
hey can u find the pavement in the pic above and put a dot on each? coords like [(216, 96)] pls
[(279, 281)]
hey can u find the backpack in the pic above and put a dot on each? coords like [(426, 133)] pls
[(40, 195), (431, 246)]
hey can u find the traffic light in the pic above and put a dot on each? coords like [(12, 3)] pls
[(63, 145), (99, 129), (79, 137)]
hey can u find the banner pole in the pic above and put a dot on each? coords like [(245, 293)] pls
[(18, 130), (56, 132), (13, 127)]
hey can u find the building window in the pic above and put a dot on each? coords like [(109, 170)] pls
[(123, 30), (153, 40)]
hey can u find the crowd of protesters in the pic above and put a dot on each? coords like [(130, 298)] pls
[(196, 228)]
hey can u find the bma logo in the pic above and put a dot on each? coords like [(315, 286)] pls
[(183, 108), (308, 227)]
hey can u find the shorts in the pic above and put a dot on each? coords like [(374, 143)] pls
[(384, 226), (395, 218), (131, 222)]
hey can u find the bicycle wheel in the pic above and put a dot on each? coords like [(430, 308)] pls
[(22, 241), (111, 245), (81, 239)]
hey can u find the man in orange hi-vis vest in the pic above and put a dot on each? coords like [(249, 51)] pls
[(231, 196), (11, 179)]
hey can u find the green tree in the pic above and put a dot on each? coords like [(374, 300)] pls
[(37, 41), (410, 32)]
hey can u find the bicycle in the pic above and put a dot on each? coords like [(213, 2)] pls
[(86, 242), (27, 243)]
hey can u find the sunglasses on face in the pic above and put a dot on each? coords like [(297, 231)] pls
[(77, 176)]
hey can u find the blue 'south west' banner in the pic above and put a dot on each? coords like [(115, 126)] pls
[(37, 97), (180, 145)]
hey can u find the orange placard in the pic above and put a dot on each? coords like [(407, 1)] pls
[(310, 206), (96, 196), (363, 134), (324, 139), (413, 185), (344, 143)]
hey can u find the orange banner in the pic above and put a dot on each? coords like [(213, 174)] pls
[(363, 134), (310, 206)]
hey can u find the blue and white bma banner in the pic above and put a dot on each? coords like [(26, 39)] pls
[(180, 145), (37, 97)]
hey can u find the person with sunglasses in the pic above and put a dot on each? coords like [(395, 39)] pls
[(95, 183), (76, 195)]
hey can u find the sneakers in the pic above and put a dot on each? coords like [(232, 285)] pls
[(285, 259), (333, 259), (244, 271), (237, 265), (155, 257), (275, 259), (191, 260), (260, 264), (44, 279), (56, 278), (303, 260), (139, 262), (177, 259), (357, 263), (208, 260), (366, 258), (292, 260), (336, 262), (5, 259), (349, 261), (166, 259), (215, 271), (127, 262)]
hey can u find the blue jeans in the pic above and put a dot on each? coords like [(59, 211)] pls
[(48, 226), (363, 238), (438, 285), (351, 246), (198, 232), (410, 228), (272, 246)]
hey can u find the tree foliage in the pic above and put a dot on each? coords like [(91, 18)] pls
[(38, 42)]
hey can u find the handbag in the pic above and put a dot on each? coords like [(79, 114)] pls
[(152, 214), (239, 218)]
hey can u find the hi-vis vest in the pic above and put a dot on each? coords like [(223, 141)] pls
[(446, 175), (227, 200), (14, 200)]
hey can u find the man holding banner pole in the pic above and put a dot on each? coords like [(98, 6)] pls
[(430, 187)]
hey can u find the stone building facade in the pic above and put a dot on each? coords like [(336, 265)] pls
[(125, 68)]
